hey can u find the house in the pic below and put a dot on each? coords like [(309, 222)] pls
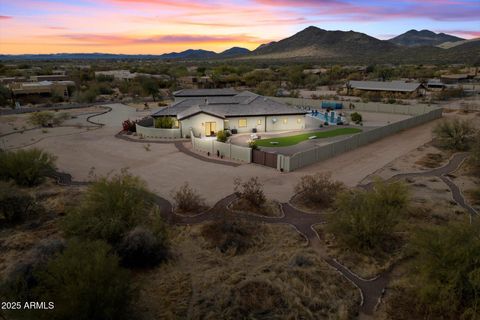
[(456, 78), (59, 88), (195, 82), (207, 111), (435, 84), (49, 77), (399, 88)]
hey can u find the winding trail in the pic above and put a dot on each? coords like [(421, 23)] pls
[(371, 290)]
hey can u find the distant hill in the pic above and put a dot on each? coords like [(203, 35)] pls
[(448, 45), (414, 38), (316, 42), (234, 52), (189, 54)]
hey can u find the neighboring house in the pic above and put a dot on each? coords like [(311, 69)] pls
[(126, 75), (59, 88), (207, 111), (394, 87), (195, 82), (456, 78), (435, 84), (49, 77)]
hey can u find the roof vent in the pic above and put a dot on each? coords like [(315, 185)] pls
[(206, 101)]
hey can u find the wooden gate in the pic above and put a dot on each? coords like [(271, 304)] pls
[(265, 158)]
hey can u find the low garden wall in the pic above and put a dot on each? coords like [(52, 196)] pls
[(227, 150), (316, 154), (152, 132)]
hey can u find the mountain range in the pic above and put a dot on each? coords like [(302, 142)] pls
[(315, 44), (415, 38)]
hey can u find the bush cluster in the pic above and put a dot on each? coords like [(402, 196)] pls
[(26, 167), (251, 191), (112, 210), (454, 134), (188, 200), (47, 118), (230, 235), (164, 122), (222, 136), (318, 189), (356, 117), (15, 204), (365, 220)]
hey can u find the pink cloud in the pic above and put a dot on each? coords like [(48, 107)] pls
[(92, 39), (6, 17)]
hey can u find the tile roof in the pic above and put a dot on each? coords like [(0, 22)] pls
[(242, 104), (399, 86), (205, 92)]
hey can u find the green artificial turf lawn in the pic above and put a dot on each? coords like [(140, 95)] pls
[(292, 140)]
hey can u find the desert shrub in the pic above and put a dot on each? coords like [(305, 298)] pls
[(222, 136), (164, 122), (318, 189), (15, 204), (475, 154), (41, 118), (230, 235), (60, 118), (251, 191), (129, 125), (187, 199), (365, 220), (254, 298), (85, 282), (446, 282), (21, 279), (142, 247), (356, 117), (26, 167), (111, 207), (454, 134)]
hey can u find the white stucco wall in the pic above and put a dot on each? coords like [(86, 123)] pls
[(252, 122), (197, 124), (291, 124)]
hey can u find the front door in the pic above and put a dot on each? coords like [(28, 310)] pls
[(210, 128)]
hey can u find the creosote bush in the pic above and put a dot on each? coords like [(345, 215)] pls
[(15, 204), (187, 199), (318, 189), (454, 134), (251, 191), (365, 220), (45, 118), (85, 282), (26, 167), (120, 211), (445, 282), (142, 247)]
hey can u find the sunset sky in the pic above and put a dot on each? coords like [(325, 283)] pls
[(159, 26)]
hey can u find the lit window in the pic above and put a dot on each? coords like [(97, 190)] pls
[(299, 120), (242, 123), (285, 121), (259, 122), (176, 124)]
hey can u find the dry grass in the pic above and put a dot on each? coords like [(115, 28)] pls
[(277, 278), (431, 160), (269, 209)]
